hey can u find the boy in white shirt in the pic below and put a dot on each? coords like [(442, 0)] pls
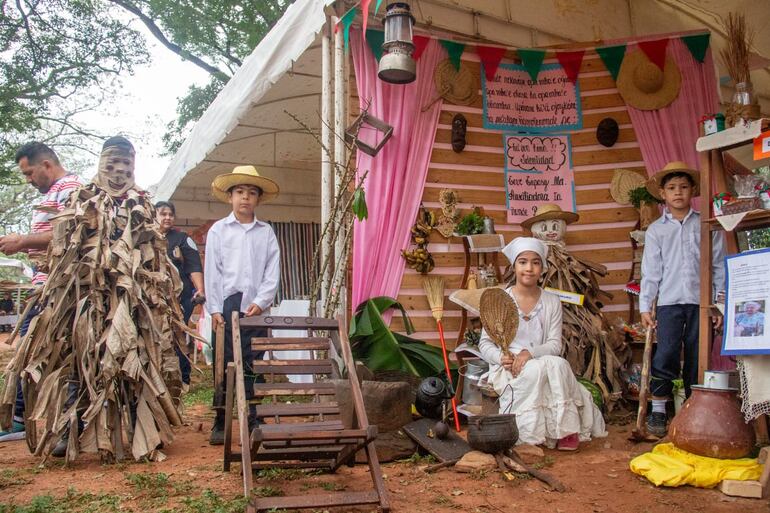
[(241, 271)]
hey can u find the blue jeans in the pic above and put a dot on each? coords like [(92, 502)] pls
[(677, 328), (184, 362)]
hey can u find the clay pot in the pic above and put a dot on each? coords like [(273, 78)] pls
[(711, 424), (492, 433)]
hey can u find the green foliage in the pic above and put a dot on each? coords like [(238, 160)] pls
[(642, 195), (199, 394), (189, 110), (381, 349), (758, 239), (360, 209), (72, 502), (211, 502), (471, 224)]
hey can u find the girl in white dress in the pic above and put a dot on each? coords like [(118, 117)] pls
[(536, 383)]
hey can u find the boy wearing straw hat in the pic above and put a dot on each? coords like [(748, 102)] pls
[(671, 272), (242, 270)]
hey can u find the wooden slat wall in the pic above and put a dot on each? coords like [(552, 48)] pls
[(478, 175)]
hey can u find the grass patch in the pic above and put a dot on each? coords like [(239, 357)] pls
[(284, 474), (157, 485), (267, 491), (72, 502), (419, 459), (210, 502), (12, 477), (333, 487), (202, 393)]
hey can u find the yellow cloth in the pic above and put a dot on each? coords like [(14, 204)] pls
[(668, 466)]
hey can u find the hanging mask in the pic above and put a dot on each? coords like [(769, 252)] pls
[(459, 128), (116, 166)]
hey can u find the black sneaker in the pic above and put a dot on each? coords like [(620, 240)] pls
[(656, 424), (217, 436)]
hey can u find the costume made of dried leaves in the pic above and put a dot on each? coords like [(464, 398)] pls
[(110, 321)]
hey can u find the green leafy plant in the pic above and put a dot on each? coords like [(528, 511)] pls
[(379, 348), (471, 224), (360, 209), (642, 195)]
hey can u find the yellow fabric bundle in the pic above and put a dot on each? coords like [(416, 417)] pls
[(668, 466)]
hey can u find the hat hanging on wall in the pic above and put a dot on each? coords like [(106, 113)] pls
[(644, 86), (607, 132), (458, 87), (623, 182)]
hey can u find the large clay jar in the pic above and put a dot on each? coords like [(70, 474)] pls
[(711, 424)]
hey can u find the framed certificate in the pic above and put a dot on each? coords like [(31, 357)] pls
[(746, 303)]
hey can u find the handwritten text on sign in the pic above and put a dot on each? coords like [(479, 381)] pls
[(537, 171), (513, 102)]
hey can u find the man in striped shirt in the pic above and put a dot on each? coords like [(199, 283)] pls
[(41, 167)]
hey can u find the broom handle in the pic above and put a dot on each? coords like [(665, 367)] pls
[(448, 372)]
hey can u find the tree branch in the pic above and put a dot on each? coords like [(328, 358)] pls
[(158, 33)]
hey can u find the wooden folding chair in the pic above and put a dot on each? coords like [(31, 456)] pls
[(308, 431)]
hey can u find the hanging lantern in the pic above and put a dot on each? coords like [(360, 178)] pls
[(397, 65)]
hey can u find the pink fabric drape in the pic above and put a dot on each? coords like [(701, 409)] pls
[(397, 174), (670, 133)]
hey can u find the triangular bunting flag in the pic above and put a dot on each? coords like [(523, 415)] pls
[(455, 51), (532, 60), (365, 12), (490, 56), (571, 62), (375, 38), (697, 44), (655, 51), (420, 44), (612, 57), (346, 21), (377, 7)]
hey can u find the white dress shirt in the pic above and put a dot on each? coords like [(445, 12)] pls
[(241, 258), (671, 262)]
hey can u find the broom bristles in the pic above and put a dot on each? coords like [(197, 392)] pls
[(434, 290)]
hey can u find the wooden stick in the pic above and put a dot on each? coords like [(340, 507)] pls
[(545, 477), (640, 432), (438, 466)]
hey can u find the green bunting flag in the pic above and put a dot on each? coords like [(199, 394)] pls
[(612, 56), (375, 38), (697, 44), (347, 21), (455, 51), (532, 59), (377, 7)]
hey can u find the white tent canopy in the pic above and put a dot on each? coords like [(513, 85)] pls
[(249, 122)]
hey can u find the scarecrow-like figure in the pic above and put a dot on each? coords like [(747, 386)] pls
[(593, 350), (101, 352)]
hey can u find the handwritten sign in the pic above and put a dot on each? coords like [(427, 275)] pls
[(538, 170), (513, 102)]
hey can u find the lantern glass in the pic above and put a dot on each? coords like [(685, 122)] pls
[(397, 65), (398, 26)]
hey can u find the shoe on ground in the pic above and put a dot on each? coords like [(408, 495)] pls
[(656, 424), (217, 436), (569, 443), (185, 388), (60, 449), (15, 433)]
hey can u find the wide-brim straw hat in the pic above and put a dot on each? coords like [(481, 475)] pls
[(623, 182), (653, 184), (243, 175), (550, 211), (455, 86), (644, 86)]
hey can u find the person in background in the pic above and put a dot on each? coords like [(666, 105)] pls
[(7, 307), (184, 254), (42, 169)]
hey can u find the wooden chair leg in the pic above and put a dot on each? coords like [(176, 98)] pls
[(243, 407), (229, 399), (376, 472), (219, 366)]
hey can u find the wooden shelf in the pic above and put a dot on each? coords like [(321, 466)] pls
[(753, 219)]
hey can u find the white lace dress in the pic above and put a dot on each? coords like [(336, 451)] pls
[(547, 400)]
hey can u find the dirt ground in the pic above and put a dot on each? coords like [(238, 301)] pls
[(191, 480)]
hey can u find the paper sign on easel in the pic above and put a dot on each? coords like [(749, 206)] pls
[(762, 146)]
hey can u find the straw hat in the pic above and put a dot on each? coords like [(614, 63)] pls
[(623, 182), (243, 175), (458, 87), (653, 184), (550, 211), (644, 86)]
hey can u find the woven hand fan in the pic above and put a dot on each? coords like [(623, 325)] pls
[(499, 316)]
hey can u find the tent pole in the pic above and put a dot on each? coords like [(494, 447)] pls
[(327, 177), (340, 155)]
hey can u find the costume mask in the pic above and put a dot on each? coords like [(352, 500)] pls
[(550, 230), (116, 168), (459, 129)]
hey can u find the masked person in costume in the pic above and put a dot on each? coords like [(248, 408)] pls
[(536, 384), (104, 342)]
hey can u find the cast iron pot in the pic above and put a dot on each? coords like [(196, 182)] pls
[(492, 433), (430, 397)]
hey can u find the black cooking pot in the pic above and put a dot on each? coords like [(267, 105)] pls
[(430, 397), (492, 433)]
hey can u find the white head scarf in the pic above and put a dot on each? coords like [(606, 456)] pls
[(522, 244)]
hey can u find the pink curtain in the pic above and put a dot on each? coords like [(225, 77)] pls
[(670, 133), (397, 174)]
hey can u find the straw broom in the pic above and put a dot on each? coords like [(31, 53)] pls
[(434, 290)]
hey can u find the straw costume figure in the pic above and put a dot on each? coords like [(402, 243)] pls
[(590, 346), (101, 352)]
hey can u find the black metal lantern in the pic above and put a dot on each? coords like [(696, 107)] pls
[(397, 65)]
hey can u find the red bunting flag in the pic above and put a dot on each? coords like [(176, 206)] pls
[(655, 51), (365, 12), (571, 62), (490, 56), (420, 43)]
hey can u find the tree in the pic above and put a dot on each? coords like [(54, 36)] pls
[(215, 35), (58, 58)]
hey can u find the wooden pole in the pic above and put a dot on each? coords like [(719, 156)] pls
[(340, 150), (327, 139), (705, 334)]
